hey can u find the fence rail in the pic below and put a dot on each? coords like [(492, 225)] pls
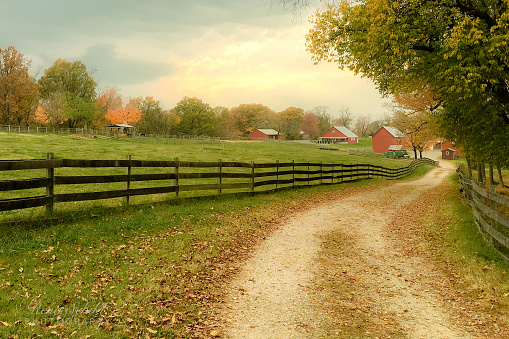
[(107, 133), (487, 207), (226, 175)]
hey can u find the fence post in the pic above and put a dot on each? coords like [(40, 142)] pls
[(252, 178), (177, 176), (127, 185), (277, 172), (220, 173), (308, 173), (332, 173), (321, 173), (50, 187), (293, 173)]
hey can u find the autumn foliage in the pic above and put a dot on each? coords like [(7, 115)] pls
[(128, 114), (40, 116)]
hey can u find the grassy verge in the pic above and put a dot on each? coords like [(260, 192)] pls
[(476, 268)]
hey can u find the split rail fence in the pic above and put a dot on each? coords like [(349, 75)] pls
[(487, 207), (169, 177)]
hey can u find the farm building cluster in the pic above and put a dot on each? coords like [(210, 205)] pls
[(385, 139)]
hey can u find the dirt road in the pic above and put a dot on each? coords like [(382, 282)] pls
[(276, 293)]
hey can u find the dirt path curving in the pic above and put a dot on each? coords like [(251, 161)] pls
[(275, 294)]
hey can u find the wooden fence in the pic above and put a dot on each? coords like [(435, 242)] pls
[(107, 133), (174, 177), (488, 207)]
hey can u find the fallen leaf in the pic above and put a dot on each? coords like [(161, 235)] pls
[(356, 277), (151, 330), (50, 248), (5, 324)]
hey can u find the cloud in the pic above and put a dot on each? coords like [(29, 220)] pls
[(112, 70), (226, 52), (267, 66)]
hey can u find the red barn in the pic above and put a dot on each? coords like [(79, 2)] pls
[(449, 154), (450, 145), (339, 134), (264, 134), (385, 137)]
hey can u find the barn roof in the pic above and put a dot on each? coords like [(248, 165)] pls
[(121, 125), (394, 131), (346, 131), (268, 131)]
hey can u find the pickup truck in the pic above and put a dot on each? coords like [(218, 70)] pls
[(397, 154)]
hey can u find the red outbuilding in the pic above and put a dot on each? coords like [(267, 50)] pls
[(265, 134), (339, 135), (385, 137), (450, 145), (449, 154)]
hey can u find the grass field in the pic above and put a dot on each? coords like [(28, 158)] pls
[(36, 146), (142, 270)]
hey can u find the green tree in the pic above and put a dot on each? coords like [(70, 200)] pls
[(155, 119), (196, 117), (457, 48), (73, 80), (247, 118), (224, 122), (18, 90), (324, 119), (290, 122)]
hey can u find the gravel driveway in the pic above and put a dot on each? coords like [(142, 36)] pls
[(275, 294)]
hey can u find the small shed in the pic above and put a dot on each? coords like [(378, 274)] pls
[(385, 137), (339, 135), (449, 154), (451, 145), (121, 130), (265, 134)]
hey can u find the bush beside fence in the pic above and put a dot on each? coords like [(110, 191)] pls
[(226, 175), (486, 205)]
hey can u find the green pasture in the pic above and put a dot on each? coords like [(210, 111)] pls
[(36, 146)]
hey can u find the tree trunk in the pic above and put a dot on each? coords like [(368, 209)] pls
[(500, 178), (479, 173), (483, 171), (492, 180), (415, 152), (469, 167)]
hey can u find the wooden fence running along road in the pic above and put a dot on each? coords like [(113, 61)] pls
[(218, 176), (486, 206)]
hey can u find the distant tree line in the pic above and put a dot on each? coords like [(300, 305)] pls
[(66, 95)]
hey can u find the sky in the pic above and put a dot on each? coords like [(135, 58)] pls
[(224, 52)]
